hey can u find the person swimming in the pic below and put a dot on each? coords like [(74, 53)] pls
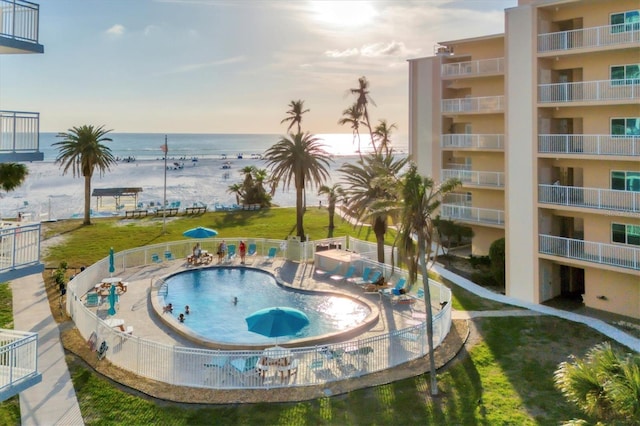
[(235, 300), (187, 311)]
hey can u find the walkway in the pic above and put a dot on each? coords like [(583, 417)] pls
[(52, 401)]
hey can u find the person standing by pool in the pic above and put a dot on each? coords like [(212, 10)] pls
[(243, 252), (222, 251)]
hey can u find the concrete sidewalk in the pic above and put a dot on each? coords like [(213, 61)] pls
[(52, 401)]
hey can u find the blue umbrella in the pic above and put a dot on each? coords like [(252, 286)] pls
[(112, 261), (113, 297), (200, 232), (275, 322)]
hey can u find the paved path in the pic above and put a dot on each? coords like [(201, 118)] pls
[(52, 401)]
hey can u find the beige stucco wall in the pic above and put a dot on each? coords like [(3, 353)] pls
[(483, 237), (487, 199), (622, 292), (477, 49), (593, 13), (480, 124)]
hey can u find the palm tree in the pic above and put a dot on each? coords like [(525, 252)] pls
[(362, 101), (299, 158), (12, 175), (420, 199), (82, 150), (370, 183), (333, 193), (236, 189), (295, 114), (353, 117), (382, 133)]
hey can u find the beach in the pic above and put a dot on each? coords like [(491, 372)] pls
[(47, 194)]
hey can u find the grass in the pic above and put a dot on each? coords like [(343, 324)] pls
[(9, 409)]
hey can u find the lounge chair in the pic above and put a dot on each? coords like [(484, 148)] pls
[(373, 278), (252, 250), (365, 274), (155, 258), (245, 368), (231, 253), (93, 299), (168, 255), (396, 290), (271, 255), (346, 276), (323, 274)]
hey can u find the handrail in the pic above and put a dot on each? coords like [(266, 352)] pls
[(19, 20), (607, 35), (627, 145), (581, 91), (594, 198), (605, 254), (483, 104)]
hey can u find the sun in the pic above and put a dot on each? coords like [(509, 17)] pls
[(343, 13)]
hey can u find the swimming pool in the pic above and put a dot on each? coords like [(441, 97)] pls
[(214, 316)]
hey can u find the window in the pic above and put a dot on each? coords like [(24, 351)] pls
[(625, 234), (625, 126), (625, 74), (625, 21), (625, 181)]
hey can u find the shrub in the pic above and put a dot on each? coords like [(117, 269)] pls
[(484, 279), (477, 261), (497, 255)]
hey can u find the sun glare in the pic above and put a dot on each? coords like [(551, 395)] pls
[(343, 13)]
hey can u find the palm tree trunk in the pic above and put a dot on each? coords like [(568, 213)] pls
[(379, 229), (87, 200), (427, 302), (299, 212)]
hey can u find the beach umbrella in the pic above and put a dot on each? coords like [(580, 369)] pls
[(113, 297), (276, 322), (200, 232), (112, 262)]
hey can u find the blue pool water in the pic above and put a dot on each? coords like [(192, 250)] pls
[(209, 293)]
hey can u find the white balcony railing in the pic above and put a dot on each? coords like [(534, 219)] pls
[(609, 35), (19, 20), (18, 362), (589, 144), (19, 131), (485, 104), (476, 141), (472, 177), (472, 214), (457, 199), (605, 254), (594, 198), (603, 90), (470, 68), (19, 246)]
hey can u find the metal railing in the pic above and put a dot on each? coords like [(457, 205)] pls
[(19, 131), (477, 141), (478, 67), (581, 91), (18, 361), (594, 198), (19, 246), (485, 104), (216, 369), (608, 35), (19, 20), (589, 144), (457, 199), (605, 254), (471, 177), (472, 214)]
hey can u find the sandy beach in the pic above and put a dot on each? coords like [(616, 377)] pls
[(48, 195)]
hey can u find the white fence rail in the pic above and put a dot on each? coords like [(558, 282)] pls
[(19, 20), (18, 361), (486, 104), (602, 90), (475, 177), (606, 254), (472, 214), (478, 67), (477, 141), (589, 144), (608, 35), (217, 369), (595, 198)]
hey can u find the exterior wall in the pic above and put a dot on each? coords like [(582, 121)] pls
[(593, 14), (485, 48), (482, 239), (488, 199), (622, 292)]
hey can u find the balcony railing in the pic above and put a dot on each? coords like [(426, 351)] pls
[(18, 362), (472, 214), (609, 35), (485, 104), (19, 131), (457, 199), (593, 198), (19, 20), (470, 68), (19, 247), (471, 177), (589, 144), (603, 90), (476, 141), (605, 254)]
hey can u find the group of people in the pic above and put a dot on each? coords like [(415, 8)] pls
[(181, 317), (222, 251)]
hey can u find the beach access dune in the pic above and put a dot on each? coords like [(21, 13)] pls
[(48, 195)]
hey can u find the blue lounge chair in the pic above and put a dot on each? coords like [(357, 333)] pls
[(93, 299), (321, 273), (155, 258), (271, 255), (253, 249), (231, 252), (346, 276), (361, 279), (245, 368), (168, 255), (395, 291)]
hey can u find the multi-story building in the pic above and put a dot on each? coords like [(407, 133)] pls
[(542, 126), (19, 241)]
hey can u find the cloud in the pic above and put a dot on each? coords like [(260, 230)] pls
[(196, 67), (116, 30), (150, 29), (374, 50)]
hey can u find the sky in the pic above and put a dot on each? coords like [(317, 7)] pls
[(214, 66)]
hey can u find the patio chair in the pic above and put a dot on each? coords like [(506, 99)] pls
[(363, 278), (155, 258), (323, 274), (231, 253), (374, 276), (168, 255), (271, 255), (245, 368), (93, 299), (252, 250), (286, 371), (396, 290), (349, 274)]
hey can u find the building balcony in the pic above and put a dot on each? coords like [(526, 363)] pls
[(18, 362), (621, 256), (471, 177), (20, 136), (480, 105), (589, 38), (590, 198), (19, 250), (19, 27), (589, 145), (473, 68), (472, 214), (624, 91), (472, 141)]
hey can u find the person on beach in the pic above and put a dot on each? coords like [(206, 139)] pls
[(243, 252), (222, 251)]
